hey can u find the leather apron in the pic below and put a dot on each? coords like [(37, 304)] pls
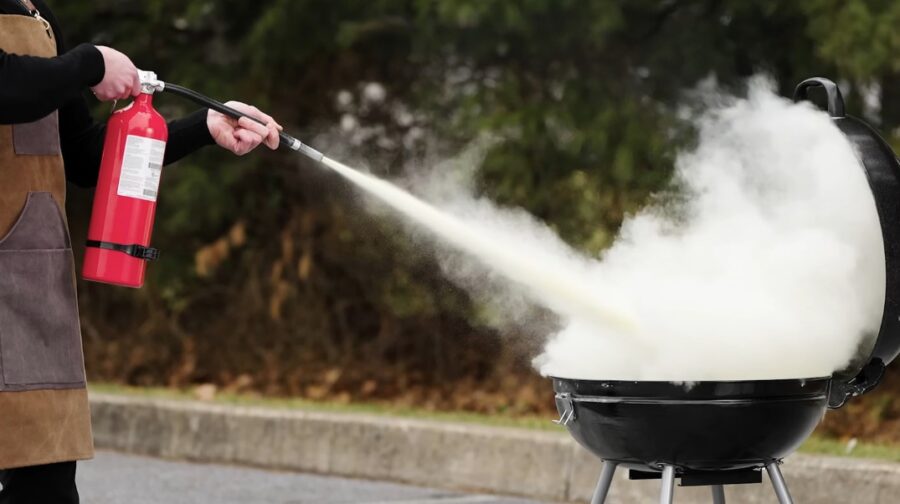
[(44, 411)]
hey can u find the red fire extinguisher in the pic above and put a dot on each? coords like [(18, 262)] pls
[(118, 244)]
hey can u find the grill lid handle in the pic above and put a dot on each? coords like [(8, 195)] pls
[(833, 93)]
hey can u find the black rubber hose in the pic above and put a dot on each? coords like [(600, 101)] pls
[(286, 140)]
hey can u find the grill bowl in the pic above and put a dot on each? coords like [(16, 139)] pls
[(707, 426)]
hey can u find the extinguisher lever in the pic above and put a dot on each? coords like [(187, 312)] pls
[(286, 140)]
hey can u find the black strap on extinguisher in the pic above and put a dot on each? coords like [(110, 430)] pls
[(134, 250)]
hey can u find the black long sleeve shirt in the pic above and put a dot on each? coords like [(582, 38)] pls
[(32, 87)]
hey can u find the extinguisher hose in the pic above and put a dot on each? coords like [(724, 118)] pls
[(286, 140)]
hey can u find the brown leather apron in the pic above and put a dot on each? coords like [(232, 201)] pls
[(44, 412)]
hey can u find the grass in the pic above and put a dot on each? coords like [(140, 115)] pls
[(813, 445), (825, 446), (371, 408)]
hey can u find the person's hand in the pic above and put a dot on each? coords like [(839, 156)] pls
[(121, 78), (243, 135)]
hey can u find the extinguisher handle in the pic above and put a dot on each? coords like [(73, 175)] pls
[(286, 140)]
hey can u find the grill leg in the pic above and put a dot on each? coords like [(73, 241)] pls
[(718, 492), (668, 485), (781, 490), (606, 477)]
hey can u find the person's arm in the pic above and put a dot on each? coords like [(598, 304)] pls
[(82, 140), (32, 87)]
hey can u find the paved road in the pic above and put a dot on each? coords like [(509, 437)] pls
[(113, 478)]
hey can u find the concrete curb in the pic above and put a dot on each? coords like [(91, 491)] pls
[(542, 465)]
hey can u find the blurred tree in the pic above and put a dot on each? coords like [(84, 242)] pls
[(277, 273)]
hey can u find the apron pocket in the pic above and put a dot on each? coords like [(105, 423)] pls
[(40, 226), (40, 337), (38, 138)]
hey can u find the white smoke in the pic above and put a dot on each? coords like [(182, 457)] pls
[(769, 265), (774, 268)]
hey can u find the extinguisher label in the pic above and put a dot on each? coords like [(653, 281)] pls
[(141, 168)]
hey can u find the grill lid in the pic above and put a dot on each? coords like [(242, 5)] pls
[(883, 174)]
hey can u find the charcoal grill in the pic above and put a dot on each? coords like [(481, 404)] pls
[(717, 433)]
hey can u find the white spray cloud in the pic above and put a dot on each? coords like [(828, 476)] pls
[(770, 265), (775, 271)]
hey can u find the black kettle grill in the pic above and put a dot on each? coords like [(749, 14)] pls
[(717, 433)]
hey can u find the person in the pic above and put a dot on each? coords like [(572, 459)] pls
[(47, 137)]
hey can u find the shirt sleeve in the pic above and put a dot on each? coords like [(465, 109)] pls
[(32, 87), (80, 136), (82, 140)]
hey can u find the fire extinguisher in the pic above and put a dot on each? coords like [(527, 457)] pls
[(118, 244)]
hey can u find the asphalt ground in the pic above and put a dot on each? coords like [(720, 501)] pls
[(116, 478)]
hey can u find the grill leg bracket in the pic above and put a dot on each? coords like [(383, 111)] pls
[(606, 478), (667, 495), (667, 492)]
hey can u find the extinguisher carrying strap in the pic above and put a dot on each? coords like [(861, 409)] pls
[(134, 250)]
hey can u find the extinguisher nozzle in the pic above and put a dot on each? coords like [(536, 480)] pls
[(294, 144)]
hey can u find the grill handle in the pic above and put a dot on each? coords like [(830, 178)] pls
[(832, 92), (565, 405)]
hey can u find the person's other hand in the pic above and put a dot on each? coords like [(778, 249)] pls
[(243, 135), (121, 78)]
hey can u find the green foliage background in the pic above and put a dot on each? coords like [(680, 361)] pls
[(273, 277)]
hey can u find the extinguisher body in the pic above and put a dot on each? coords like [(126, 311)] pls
[(118, 244)]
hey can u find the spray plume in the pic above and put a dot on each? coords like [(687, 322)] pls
[(556, 287), (769, 265)]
